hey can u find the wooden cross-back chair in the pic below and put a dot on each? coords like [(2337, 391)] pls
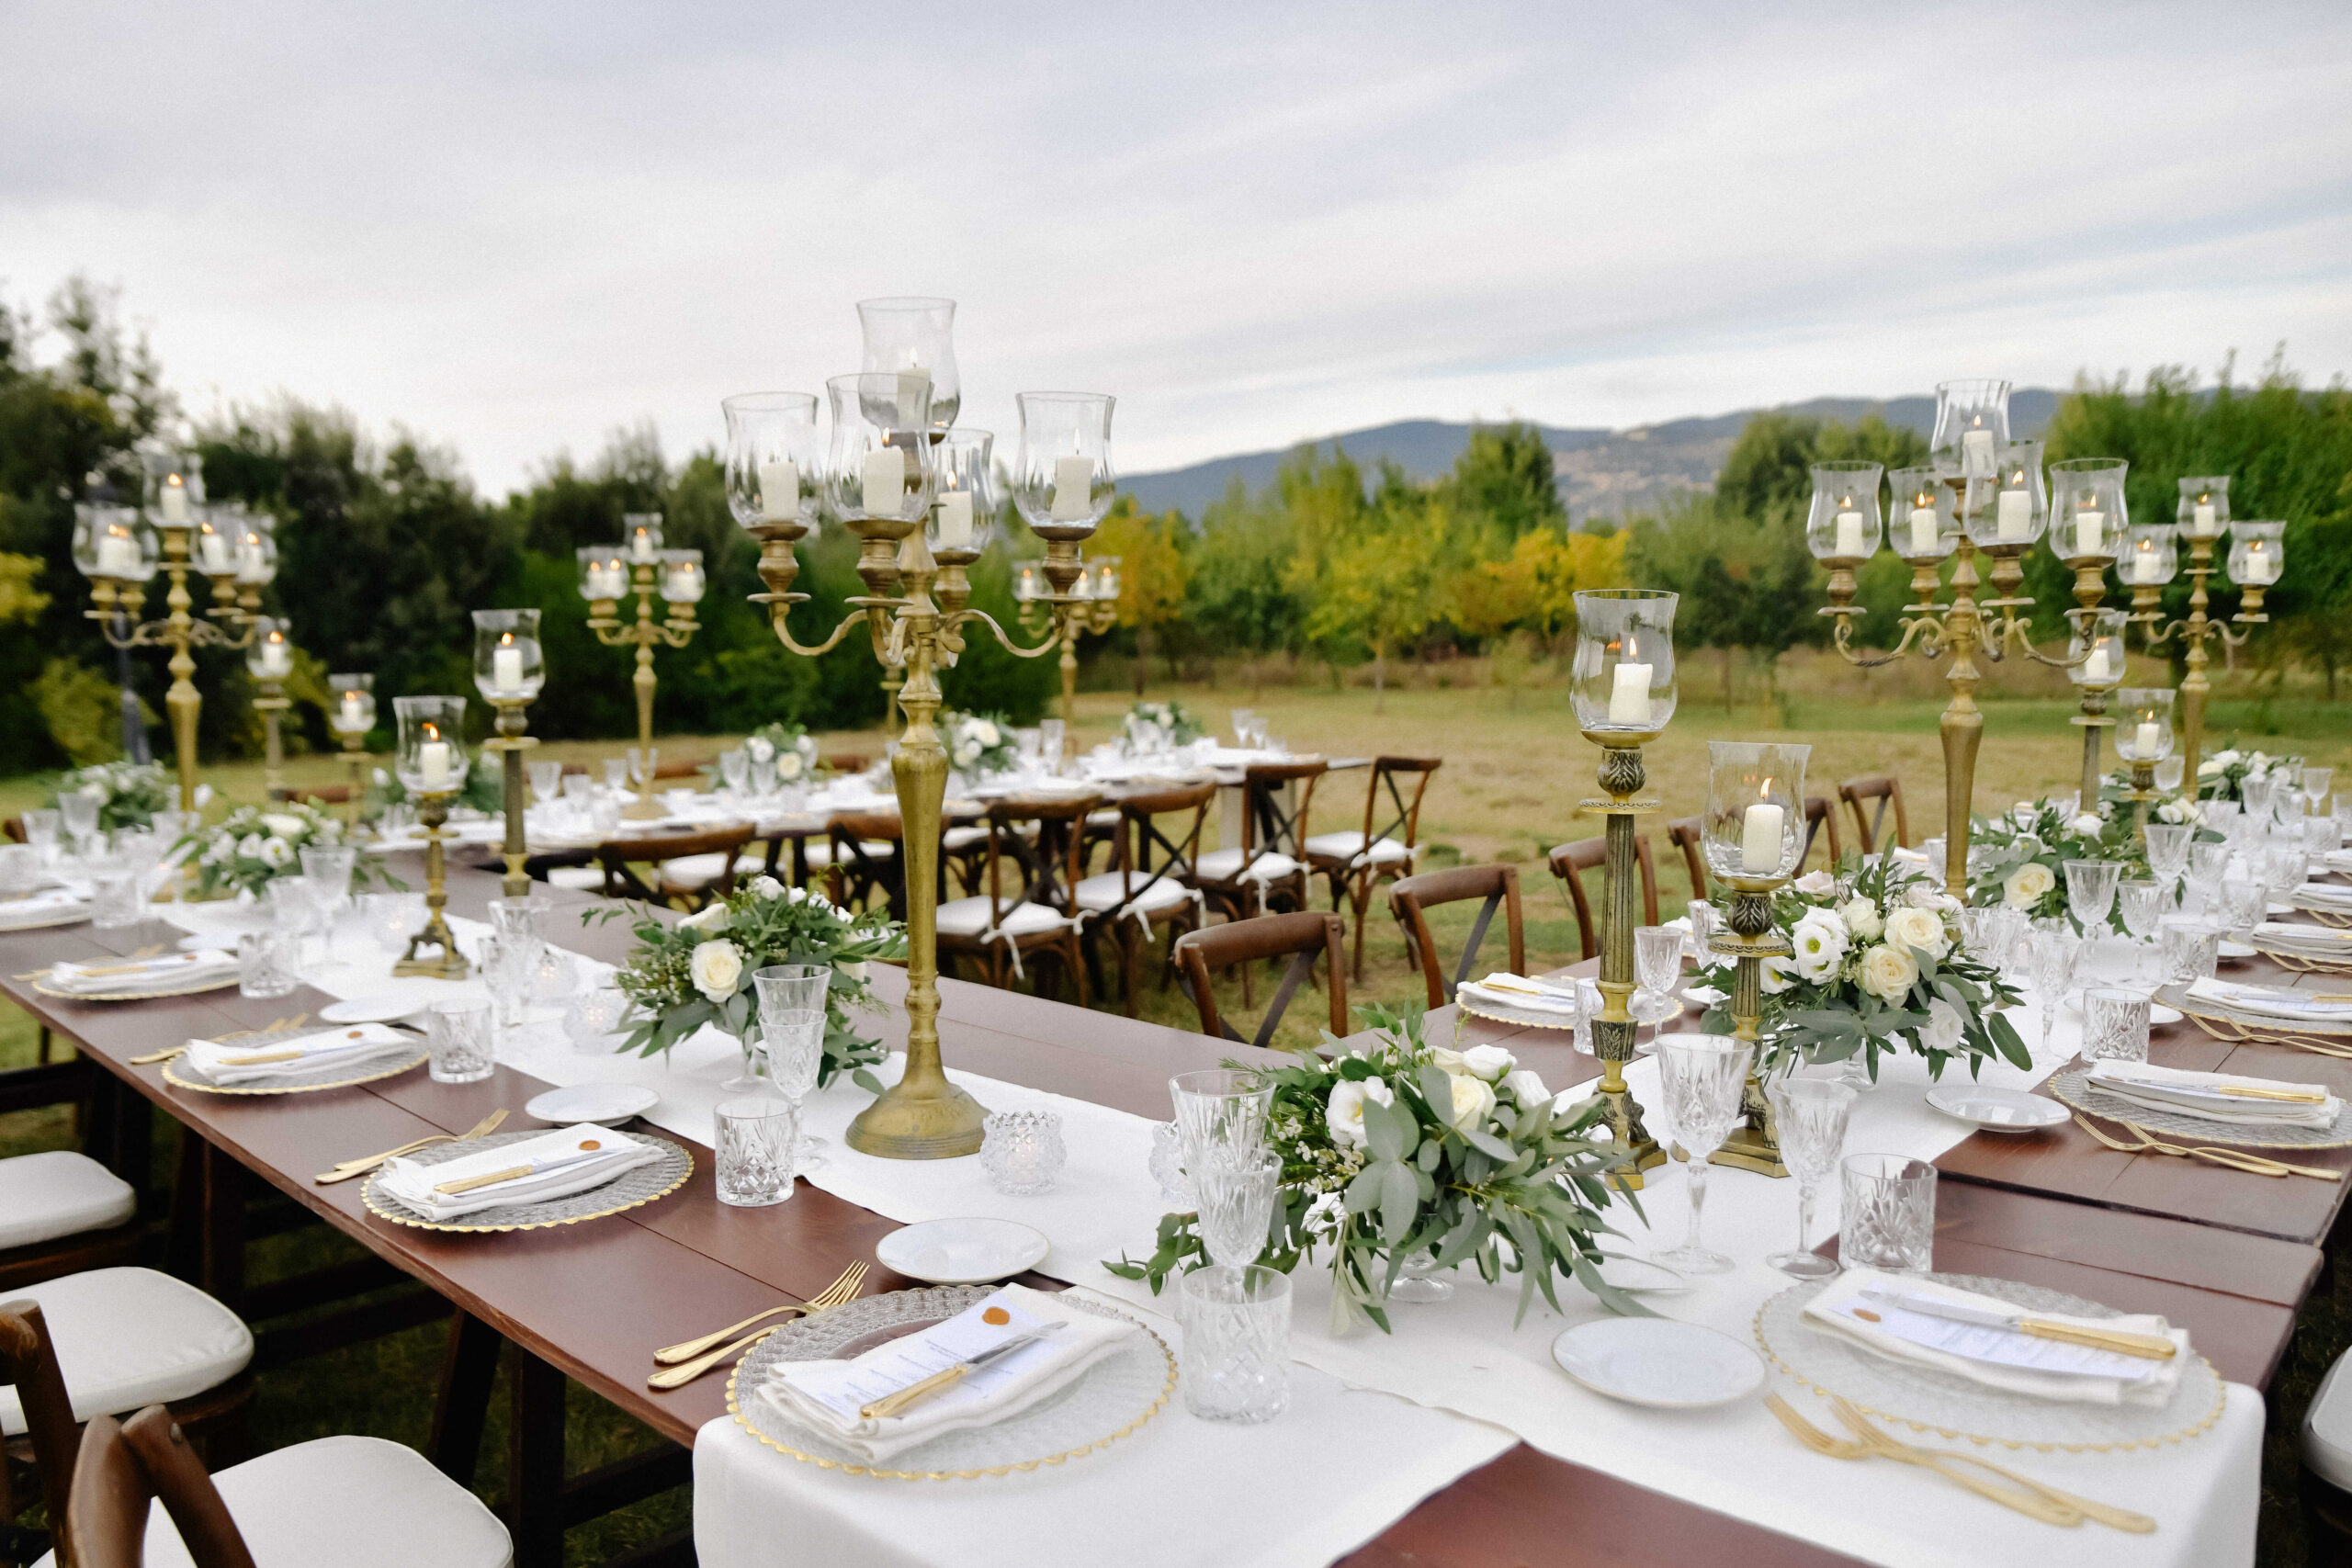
[(866, 855), (1411, 900), (1570, 861), (1882, 790), (1354, 861), (1149, 883), (1000, 932), (29, 1364), (1269, 866), (709, 873), (1821, 827), (1303, 935), (1683, 834)]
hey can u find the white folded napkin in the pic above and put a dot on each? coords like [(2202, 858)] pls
[(238, 1061), (39, 909), (112, 976), (2275, 1001), (827, 1395), (2017, 1363), (2308, 938), (560, 1163), (2338, 860), (1502, 989), (2199, 1095), (2328, 892)]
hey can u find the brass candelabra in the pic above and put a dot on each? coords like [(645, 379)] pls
[(1749, 938), (230, 623), (1623, 777), (512, 743), (645, 633), (272, 704), (2193, 631), (431, 811), (355, 762), (1089, 611)]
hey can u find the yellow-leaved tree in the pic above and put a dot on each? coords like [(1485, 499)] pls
[(1534, 588), (1379, 580), (1153, 572)]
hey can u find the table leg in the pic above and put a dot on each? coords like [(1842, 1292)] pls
[(223, 1226), (535, 1461), (468, 1366)]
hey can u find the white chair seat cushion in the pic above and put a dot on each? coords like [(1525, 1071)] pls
[(345, 1502), (697, 871), (2327, 1428), (1225, 866), (578, 878), (1347, 846), (969, 917), (1108, 817), (963, 837), (128, 1338), (1108, 891), (820, 850), (45, 1196)]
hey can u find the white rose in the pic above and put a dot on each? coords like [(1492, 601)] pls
[(95, 790), (1816, 883), (767, 887), (1922, 896), (1888, 971), (2171, 811), (1820, 942), (1526, 1086), (1921, 930), (1779, 975), (2087, 825), (2027, 886), (716, 968), (787, 765), (2223, 760), (1474, 1101), (283, 825), (966, 755), (250, 846), (204, 793), (1488, 1062), (1861, 917), (1344, 1112), (1447, 1060), (2210, 769), (986, 733), (1944, 1027), (760, 747), (712, 916)]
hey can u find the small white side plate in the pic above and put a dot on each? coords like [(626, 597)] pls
[(2229, 949), (1640, 1277), (1996, 1110), (1658, 1362), (963, 1252), (387, 1006), (607, 1104)]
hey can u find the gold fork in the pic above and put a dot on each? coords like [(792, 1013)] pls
[(2229, 1160), (274, 1026), (1885, 1442), (842, 1291), (2031, 1503), (366, 1163)]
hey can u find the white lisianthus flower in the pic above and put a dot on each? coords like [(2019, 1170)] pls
[(1862, 919), (2172, 811), (1488, 1062), (716, 968), (1944, 1027), (767, 887), (1344, 1113), (283, 824), (1816, 883), (1447, 1060), (1920, 931), (1888, 971), (1820, 940), (1779, 975), (986, 733), (2028, 884), (760, 747), (711, 917), (787, 765), (276, 851), (1526, 1086), (1474, 1101), (250, 846), (2087, 825)]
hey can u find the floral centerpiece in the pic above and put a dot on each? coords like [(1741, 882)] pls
[(977, 742), (788, 745), (254, 845), (1174, 720), (128, 794), (2019, 857), (2176, 807), (1402, 1149), (1878, 967), (2223, 776), (699, 972)]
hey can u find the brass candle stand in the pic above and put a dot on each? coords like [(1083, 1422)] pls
[(431, 811), (229, 624), (1622, 775), (1084, 613), (272, 704), (512, 743), (645, 633), (355, 762), (1750, 937), (2193, 631), (912, 632)]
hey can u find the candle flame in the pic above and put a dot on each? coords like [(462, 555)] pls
[(506, 639), (172, 480), (432, 730), (1765, 793)]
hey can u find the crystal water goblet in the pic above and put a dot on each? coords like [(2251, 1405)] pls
[(2243, 905), (328, 868), (1657, 968), (264, 966), (792, 1031), (2115, 1024), (547, 782), (2141, 903), (2282, 872), (2090, 893), (41, 828), (1219, 1111), (1704, 1076), (1237, 1204), (2168, 851), (1051, 738), (2055, 950), (2255, 794), (1810, 1115), (734, 769)]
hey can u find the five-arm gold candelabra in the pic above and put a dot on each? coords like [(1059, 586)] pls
[(1094, 607), (645, 633), (229, 624), (2193, 631)]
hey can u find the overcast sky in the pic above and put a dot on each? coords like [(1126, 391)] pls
[(512, 227)]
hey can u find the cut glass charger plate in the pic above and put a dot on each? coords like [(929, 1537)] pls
[(197, 989), (1996, 1110), (1929, 1400), (63, 915), (1107, 1402), (2228, 1021), (630, 1189), (331, 1075), (2075, 1089)]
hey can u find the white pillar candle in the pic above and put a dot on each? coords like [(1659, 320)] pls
[(2202, 521), (506, 669), (2144, 565), (2146, 740), (913, 386), (118, 556), (1629, 697), (433, 765), (1759, 840), (251, 566), (1924, 530), (779, 490), (277, 658), (2015, 516), (1073, 487), (174, 501), (1849, 534), (640, 545), (884, 482), (218, 556), (2089, 532), (684, 585), (354, 715), (2095, 667), (1977, 455), (608, 581), (956, 520)]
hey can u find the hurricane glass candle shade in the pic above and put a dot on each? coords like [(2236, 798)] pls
[(2019, 509), (509, 665), (271, 655), (682, 583), (1844, 524), (1753, 830), (642, 537), (2151, 557), (603, 573), (2095, 652), (257, 550), (1062, 479), (775, 457), (431, 755), (114, 544), (2088, 520), (1924, 523), (1621, 683), (878, 471), (963, 515), (2143, 724), (1972, 426), (353, 703), (2257, 550), (2204, 509), (913, 337), (174, 486)]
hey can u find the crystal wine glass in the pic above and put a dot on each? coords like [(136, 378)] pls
[(1237, 1204), (2055, 950), (2257, 793), (792, 1031), (1810, 1116), (1704, 1075), (1658, 970), (2091, 897), (2141, 905), (2168, 851)]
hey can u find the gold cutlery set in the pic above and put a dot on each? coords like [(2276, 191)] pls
[(2230, 1159), (683, 1362), (366, 1163), (274, 1026)]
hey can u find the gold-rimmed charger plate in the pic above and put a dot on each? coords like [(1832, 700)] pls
[(2225, 1021), (177, 1071), (630, 1189), (1111, 1400), (67, 915), (226, 980), (2075, 1089)]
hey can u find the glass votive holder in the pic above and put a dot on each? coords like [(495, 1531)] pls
[(118, 899), (592, 1021), (1888, 1215), (20, 870), (2190, 949), (1236, 1342), (757, 1139), (459, 1034), (2115, 1025), (1021, 1150), (265, 965), (1166, 1165)]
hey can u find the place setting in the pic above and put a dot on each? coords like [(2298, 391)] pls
[(530, 1181), (2274, 1015), (141, 978), (295, 1059)]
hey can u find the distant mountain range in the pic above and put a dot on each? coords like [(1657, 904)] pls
[(1604, 473)]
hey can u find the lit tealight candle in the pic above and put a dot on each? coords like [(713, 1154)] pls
[(2146, 740), (1629, 696), (1073, 489), (779, 490), (956, 520), (2015, 517), (1849, 534), (884, 482), (2089, 532), (1759, 840), (506, 665)]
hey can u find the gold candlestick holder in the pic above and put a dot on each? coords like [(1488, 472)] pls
[(1623, 776), (1091, 613), (1749, 938), (652, 574), (272, 704), (431, 811), (355, 762), (2193, 631), (512, 743)]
